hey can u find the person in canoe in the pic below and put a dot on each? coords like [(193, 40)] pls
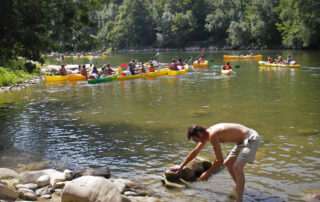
[(227, 66), (250, 52), (95, 73), (109, 70), (246, 140), (152, 68), (269, 59), (63, 71), (131, 67), (174, 65), (84, 71), (280, 60)]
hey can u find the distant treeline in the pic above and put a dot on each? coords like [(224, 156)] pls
[(32, 27)]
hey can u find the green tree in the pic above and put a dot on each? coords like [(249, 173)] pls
[(32, 27), (261, 19), (132, 27), (299, 22)]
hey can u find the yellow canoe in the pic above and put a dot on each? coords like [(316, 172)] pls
[(56, 78), (226, 72), (137, 76), (257, 57), (267, 64), (181, 71), (77, 77), (161, 72), (203, 63)]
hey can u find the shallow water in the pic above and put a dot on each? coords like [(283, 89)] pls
[(137, 127)]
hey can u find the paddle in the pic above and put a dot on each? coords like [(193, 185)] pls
[(201, 53), (237, 66), (156, 55)]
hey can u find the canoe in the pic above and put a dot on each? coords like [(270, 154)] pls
[(103, 79), (267, 64), (56, 78), (137, 76), (77, 77), (257, 57), (161, 72), (181, 71), (226, 72), (203, 63)]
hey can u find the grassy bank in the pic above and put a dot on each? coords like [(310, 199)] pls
[(16, 71)]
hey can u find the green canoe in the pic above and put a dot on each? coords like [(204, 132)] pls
[(103, 79)]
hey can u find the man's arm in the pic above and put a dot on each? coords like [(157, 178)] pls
[(217, 162), (190, 156)]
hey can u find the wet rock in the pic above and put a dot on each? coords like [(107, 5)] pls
[(190, 172), (90, 189), (69, 175), (7, 173), (6, 193)]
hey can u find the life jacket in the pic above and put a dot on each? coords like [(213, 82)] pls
[(226, 67)]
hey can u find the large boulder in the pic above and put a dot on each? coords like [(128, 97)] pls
[(7, 173), (6, 193), (90, 189)]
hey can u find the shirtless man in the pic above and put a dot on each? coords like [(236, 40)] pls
[(247, 142)]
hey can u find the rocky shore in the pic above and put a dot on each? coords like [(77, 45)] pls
[(68, 186)]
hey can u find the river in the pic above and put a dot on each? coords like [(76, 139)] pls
[(138, 127)]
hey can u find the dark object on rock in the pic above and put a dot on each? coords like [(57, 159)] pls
[(103, 171), (189, 173)]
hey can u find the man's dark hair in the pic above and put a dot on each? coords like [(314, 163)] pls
[(193, 130)]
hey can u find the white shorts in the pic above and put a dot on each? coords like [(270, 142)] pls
[(248, 148)]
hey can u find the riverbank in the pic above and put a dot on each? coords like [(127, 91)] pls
[(93, 184)]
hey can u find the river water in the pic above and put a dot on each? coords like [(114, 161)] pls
[(137, 127)]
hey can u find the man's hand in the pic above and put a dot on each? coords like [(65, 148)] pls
[(204, 177), (176, 168)]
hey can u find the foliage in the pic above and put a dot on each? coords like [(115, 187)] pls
[(33, 27), (13, 71), (300, 22)]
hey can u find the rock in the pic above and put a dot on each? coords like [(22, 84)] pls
[(120, 184), (60, 185), (44, 191), (6, 193), (27, 194), (103, 171), (32, 186), (139, 199), (190, 172), (68, 174), (43, 180), (32, 176), (174, 185), (48, 196), (7, 173), (90, 189)]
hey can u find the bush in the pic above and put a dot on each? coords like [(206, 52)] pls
[(30, 67)]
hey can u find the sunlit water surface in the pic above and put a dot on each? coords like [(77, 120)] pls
[(137, 127)]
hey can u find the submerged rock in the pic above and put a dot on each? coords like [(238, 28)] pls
[(189, 173)]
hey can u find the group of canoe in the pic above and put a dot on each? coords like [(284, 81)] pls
[(268, 63), (119, 76)]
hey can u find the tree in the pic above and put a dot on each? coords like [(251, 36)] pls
[(32, 27), (261, 19), (299, 22)]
